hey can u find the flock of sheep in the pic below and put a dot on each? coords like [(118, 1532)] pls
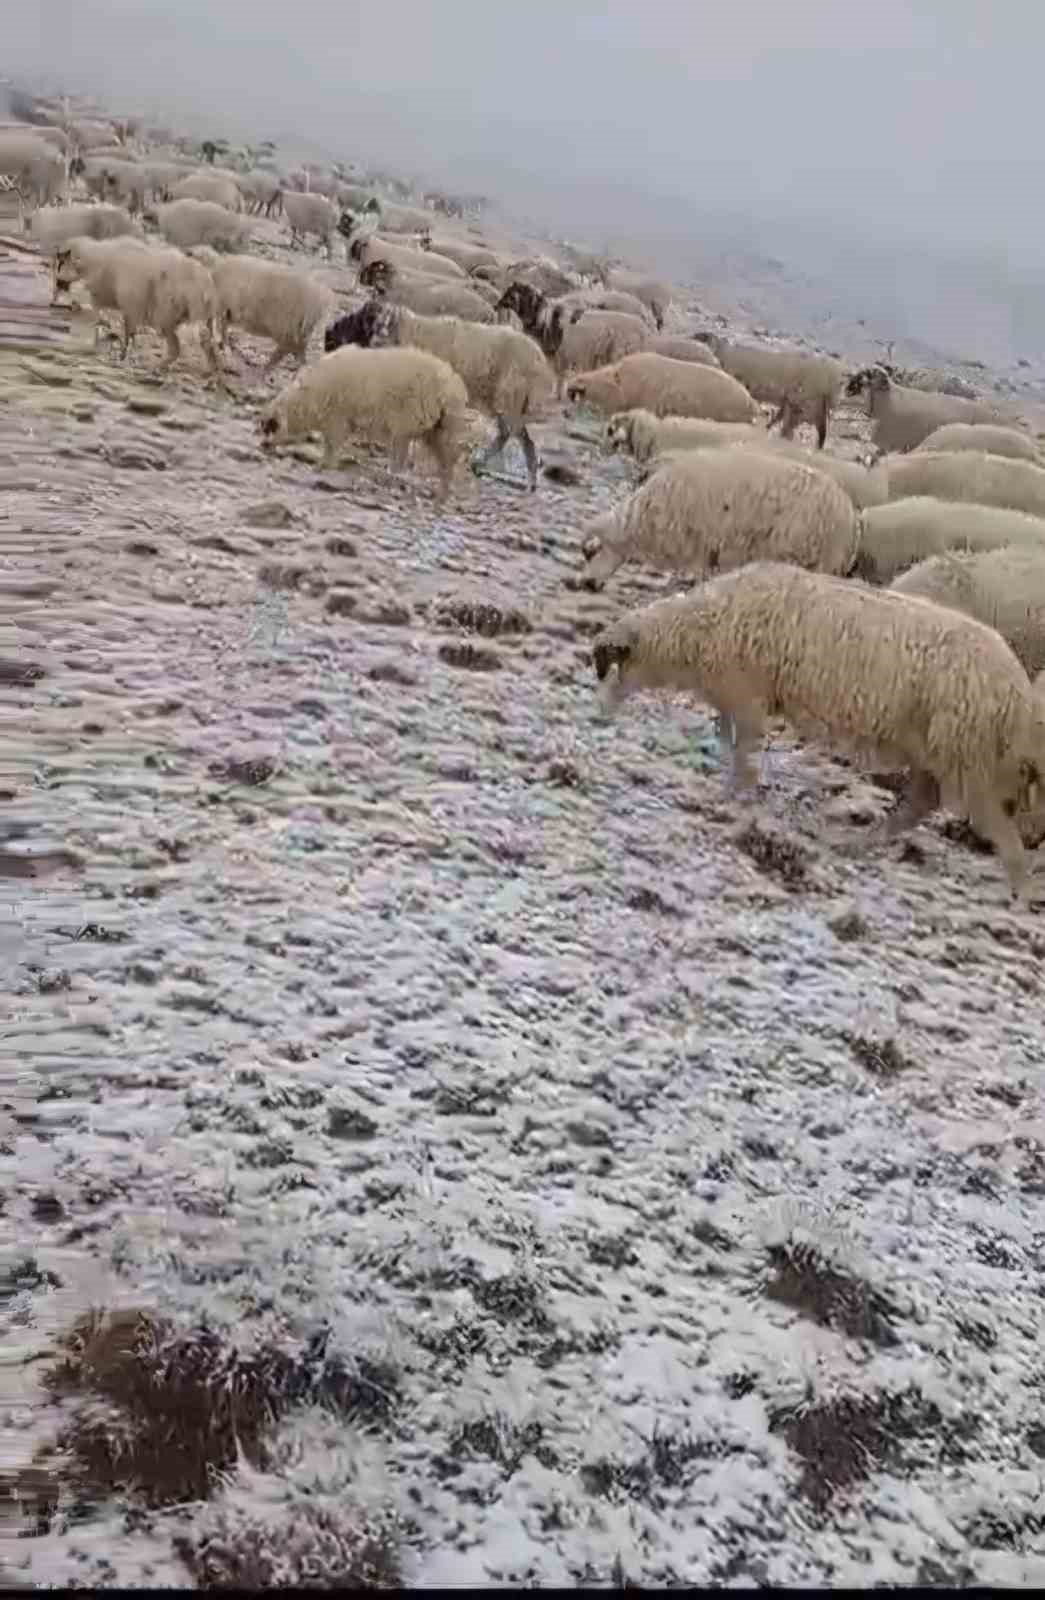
[(893, 610)]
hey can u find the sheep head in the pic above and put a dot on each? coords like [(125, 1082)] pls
[(370, 325), (424, 238), (63, 270), (378, 275), (869, 381), (526, 301), (270, 427), (347, 225)]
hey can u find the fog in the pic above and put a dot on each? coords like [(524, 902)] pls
[(905, 125)]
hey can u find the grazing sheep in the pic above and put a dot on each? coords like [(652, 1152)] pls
[(904, 417), (382, 396), (36, 168), (209, 186), (863, 486), (268, 300), (1005, 589), (967, 475), (599, 299), (429, 297), (539, 272), (573, 338), (311, 214), (903, 681), (644, 435), (365, 251), (665, 387), (504, 372), (680, 348), (467, 256), (188, 223), (803, 387), (714, 509), (656, 296), (56, 225), (160, 289), (895, 536), (261, 191), (992, 440), (404, 219)]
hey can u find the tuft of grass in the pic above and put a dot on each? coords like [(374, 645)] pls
[(301, 1545), (829, 1296), (883, 1058), (775, 854), (844, 1440), (164, 1411)]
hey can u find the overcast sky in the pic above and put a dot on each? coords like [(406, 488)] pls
[(914, 116)]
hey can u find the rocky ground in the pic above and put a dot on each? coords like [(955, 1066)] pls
[(442, 1139)]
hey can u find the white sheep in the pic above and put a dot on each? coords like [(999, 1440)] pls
[(600, 299), (904, 417), (429, 297), (967, 475), (1004, 588), (803, 387), (366, 250), (714, 509), (573, 338), (160, 289), (983, 436), (651, 291), (404, 219), (680, 348), (210, 186), (268, 300), (36, 168), (644, 435), (864, 486), (188, 223), (665, 387), (54, 226), (311, 214), (902, 681), (467, 256), (261, 191), (504, 372), (380, 396), (901, 533)]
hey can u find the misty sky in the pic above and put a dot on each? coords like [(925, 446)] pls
[(920, 116)]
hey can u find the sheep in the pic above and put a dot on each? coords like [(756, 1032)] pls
[(537, 271), (187, 223), (37, 168), (56, 225), (429, 297), (573, 338), (311, 213), (644, 435), (209, 186), (504, 372), (364, 251), (160, 289), (404, 219), (268, 300), (904, 417), (903, 681), (900, 533), (966, 475), (864, 488), (1003, 588), (682, 349), (653, 294), (993, 440), (597, 299), (261, 192), (665, 387), (803, 387), (382, 396), (467, 256), (712, 509)]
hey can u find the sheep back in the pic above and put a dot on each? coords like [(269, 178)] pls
[(900, 533), (1002, 588), (990, 438), (967, 475), (391, 395), (185, 223)]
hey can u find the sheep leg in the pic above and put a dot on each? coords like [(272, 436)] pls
[(601, 566), (748, 734), (823, 418), (173, 347), (988, 817), (530, 452), (920, 801), (504, 433), (333, 445)]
